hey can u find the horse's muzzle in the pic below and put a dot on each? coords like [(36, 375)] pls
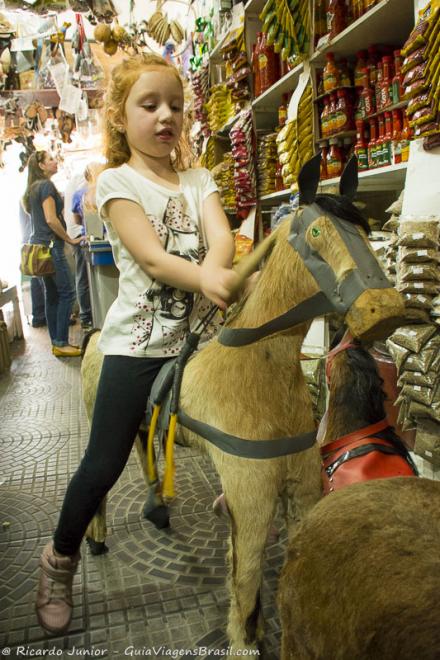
[(375, 314)]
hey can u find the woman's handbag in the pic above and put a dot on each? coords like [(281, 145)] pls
[(36, 260), (362, 456)]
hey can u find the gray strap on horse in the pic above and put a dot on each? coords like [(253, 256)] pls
[(231, 444), (305, 311)]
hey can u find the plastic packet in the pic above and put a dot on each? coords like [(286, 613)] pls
[(420, 362), (418, 301), (398, 353), (413, 337), (416, 57), (432, 411), (425, 288), (418, 378), (427, 442), (391, 224), (418, 272), (418, 393), (419, 233), (415, 256)]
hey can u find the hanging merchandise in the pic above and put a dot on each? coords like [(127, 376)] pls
[(237, 67), (85, 70), (220, 107), (267, 162), (295, 140), (160, 28), (287, 26), (421, 81), (245, 179), (200, 87), (223, 174)]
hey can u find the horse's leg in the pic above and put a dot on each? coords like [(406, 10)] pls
[(251, 502), (97, 530), (155, 510)]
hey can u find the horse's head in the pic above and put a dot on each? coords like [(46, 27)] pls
[(331, 236)]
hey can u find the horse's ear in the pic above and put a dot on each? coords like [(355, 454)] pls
[(308, 180), (349, 181)]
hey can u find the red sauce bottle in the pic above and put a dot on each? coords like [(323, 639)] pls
[(372, 145), (386, 86), (397, 137), (360, 148), (396, 84), (367, 96)]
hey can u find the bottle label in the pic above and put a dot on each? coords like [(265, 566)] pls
[(262, 61)]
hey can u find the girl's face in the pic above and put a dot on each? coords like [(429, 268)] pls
[(154, 113), (49, 166)]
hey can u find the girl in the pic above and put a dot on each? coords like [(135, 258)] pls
[(45, 205), (158, 217)]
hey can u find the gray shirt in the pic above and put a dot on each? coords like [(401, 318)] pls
[(41, 232)]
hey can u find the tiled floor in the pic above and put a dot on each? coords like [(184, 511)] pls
[(154, 588)]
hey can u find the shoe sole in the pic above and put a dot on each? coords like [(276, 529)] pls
[(49, 629)]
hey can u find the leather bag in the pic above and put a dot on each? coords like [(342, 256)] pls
[(36, 260)]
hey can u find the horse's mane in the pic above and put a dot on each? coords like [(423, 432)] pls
[(341, 207), (363, 391)]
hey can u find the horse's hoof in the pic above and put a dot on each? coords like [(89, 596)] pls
[(96, 547), (159, 516)]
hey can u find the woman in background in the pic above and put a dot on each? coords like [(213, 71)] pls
[(45, 205)]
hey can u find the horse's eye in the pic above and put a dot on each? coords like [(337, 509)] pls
[(316, 232)]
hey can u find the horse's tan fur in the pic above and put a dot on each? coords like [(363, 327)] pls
[(362, 576), (255, 392)]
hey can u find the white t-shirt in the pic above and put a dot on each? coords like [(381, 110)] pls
[(150, 318)]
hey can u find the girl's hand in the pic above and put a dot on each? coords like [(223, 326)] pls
[(219, 284)]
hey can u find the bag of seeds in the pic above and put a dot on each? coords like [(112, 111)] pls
[(419, 233), (427, 443), (413, 337)]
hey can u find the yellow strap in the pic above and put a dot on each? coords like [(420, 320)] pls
[(168, 479), (151, 462)]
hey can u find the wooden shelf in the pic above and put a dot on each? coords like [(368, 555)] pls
[(270, 100), (391, 177), (389, 22)]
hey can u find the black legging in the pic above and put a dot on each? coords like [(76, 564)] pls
[(123, 389)]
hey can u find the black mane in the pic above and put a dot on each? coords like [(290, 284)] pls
[(341, 207)]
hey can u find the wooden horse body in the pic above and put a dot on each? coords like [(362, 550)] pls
[(257, 391)]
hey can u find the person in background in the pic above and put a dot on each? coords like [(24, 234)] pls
[(45, 206), (81, 275), (36, 285)]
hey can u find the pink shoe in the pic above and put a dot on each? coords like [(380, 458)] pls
[(54, 596)]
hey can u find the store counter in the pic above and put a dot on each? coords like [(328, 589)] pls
[(103, 279)]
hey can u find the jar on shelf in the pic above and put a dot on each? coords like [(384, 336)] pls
[(344, 73), (330, 74), (336, 17), (386, 86), (267, 64), (325, 117), (397, 137), (397, 92), (344, 120), (334, 159), (369, 4), (372, 144), (361, 63), (255, 68), (367, 97), (332, 121), (361, 145)]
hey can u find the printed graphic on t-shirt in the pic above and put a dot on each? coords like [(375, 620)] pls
[(163, 311)]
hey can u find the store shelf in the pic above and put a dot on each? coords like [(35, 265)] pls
[(275, 197), (338, 136), (390, 108), (214, 55), (270, 100), (389, 22), (391, 177), (254, 6), (332, 91)]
